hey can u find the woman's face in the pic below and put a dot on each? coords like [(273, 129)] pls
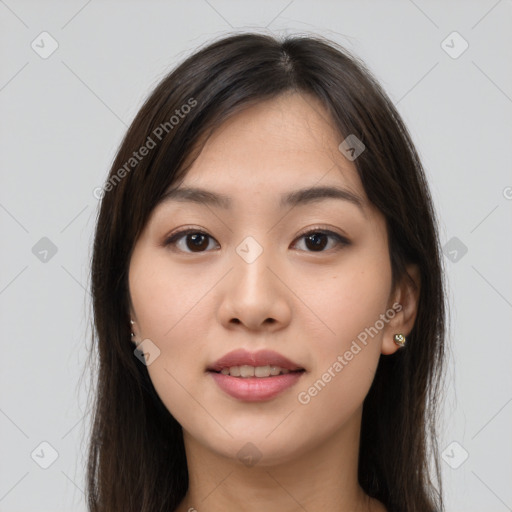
[(247, 279)]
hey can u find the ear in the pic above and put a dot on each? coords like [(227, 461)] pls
[(404, 301)]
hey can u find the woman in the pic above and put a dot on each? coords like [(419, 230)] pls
[(268, 294)]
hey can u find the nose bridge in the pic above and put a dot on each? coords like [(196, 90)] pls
[(250, 250), (253, 296), (251, 261)]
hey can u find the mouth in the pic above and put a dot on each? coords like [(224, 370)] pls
[(261, 364), (247, 371), (254, 377)]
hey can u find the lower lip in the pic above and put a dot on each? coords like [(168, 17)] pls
[(255, 389)]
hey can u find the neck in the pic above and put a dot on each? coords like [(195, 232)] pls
[(322, 478)]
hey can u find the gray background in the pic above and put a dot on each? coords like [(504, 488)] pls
[(63, 117)]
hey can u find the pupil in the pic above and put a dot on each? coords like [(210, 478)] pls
[(198, 241), (318, 239)]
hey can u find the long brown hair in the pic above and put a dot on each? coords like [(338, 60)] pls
[(136, 454)]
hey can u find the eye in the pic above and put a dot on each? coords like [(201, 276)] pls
[(317, 239), (194, 240)]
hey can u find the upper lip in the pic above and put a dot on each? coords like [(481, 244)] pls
[(261, 358)]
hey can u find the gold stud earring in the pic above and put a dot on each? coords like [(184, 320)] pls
[(399, 340)]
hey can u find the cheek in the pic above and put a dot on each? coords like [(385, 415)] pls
[(167, 300), (346, 300), (350, 304), (174, 310)]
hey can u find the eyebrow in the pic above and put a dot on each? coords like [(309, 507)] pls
[(290, 199)]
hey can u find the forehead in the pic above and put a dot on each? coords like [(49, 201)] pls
[(273, 145)]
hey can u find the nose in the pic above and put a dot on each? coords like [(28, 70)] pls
[(255, 294)]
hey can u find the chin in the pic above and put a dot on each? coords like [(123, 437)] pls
[(267, 442)]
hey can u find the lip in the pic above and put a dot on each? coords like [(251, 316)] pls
[(260, 358), (255, 389)]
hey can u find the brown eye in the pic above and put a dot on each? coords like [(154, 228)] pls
[(317, 241), (189, 240), (197, 241)]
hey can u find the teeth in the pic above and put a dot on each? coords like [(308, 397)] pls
[(235, 370), (246, 371), (262, 371)]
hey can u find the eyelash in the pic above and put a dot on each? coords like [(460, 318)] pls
[(340, 240)]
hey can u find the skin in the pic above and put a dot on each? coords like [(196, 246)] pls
[(307, 305)]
